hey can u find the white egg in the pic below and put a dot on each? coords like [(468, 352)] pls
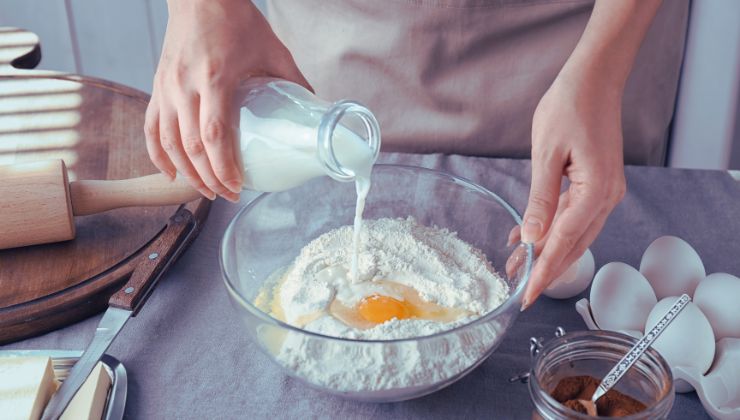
[(621, 298), (718, 296), (575, 280), (688, 340), (672, 267)]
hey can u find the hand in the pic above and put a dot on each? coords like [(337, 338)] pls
[(576, 132), (191, 122)]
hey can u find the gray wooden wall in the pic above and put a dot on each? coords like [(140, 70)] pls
[(118, 40)]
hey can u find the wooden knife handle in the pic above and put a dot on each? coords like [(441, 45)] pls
[(90, 197), (155, 260)]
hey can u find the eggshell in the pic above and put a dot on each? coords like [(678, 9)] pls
[(621, 298), (688, 340), (718, 296), (575, 280), (672, 267)]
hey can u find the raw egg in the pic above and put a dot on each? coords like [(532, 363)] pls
[(405, 303), (379, 309)]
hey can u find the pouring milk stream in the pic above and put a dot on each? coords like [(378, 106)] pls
[(289, 136)]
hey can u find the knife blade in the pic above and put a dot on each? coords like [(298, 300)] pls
[(110, 325), (125, 304)]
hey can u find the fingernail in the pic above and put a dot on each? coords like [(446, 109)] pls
[(234, 186), (513, 235), (525, 305), (234, 198), (531, 231), (207, 194)]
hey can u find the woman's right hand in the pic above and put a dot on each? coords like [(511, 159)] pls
[(191, 126)]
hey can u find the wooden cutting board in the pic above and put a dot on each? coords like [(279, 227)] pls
[(95, 126)]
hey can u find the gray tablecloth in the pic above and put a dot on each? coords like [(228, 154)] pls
[(187, 357)]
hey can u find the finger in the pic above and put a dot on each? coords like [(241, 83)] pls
[(515, 235), (187, 112), (566, 233), (170, 137), (547, 170), (516, 259), (153, 145), (586, 240), (563, 203), (218, 130)]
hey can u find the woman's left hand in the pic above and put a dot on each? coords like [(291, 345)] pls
[(577, 133)]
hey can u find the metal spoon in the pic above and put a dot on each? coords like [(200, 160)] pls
[(629, 359)]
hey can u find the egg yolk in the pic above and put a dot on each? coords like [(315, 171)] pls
[(379, 309)]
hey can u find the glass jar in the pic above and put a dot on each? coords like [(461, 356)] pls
[(288, 135), (594, 353)]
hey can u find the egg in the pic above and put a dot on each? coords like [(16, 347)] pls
[(394, 301), (718, 296), (672, 267), (687, 341), (621, 298), (575, 279)]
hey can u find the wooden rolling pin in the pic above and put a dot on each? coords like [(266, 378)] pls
[(38, 203)]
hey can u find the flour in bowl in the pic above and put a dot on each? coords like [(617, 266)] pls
[(412, 281)]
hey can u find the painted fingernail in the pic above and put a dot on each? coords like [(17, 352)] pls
[(525, 304), (532, 230), (234, 186)]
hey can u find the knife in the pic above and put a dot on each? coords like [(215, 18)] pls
[(126, 303)]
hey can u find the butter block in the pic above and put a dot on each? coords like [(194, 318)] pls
[(26, 385), (89, 402)]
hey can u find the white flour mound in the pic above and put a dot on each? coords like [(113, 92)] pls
[(440, 266)]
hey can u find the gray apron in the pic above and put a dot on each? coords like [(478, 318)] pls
[(465, 76)]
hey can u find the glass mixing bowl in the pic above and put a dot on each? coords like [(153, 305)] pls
[(269, 233)]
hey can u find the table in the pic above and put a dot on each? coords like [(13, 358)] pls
[(187, 357)]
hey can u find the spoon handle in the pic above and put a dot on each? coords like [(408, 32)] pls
[(629, 359)]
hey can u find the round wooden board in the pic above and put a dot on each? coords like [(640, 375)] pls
[(96, 128)]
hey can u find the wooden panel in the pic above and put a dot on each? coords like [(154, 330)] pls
[(114, 40), (48, 19)]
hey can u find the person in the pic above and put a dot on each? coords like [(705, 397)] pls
[(475, 77)]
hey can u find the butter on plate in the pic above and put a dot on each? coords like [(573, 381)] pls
[(27, 384)]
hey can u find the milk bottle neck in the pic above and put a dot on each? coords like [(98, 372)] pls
[(326, 136)]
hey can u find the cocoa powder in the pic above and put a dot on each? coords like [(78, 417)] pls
[(613, 404)]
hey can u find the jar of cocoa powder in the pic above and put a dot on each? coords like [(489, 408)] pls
[(570, 366)]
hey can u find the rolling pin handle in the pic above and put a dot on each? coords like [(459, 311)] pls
[(91, 197)]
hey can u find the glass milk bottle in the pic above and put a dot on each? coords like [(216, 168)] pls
[(289, 136)]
